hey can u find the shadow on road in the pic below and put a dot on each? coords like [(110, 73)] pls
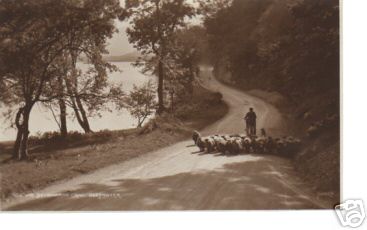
[(236, 186)]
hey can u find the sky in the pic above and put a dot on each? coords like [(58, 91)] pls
[(119, 44)]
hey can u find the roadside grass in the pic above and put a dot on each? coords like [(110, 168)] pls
[(51, 141), (54, 159)]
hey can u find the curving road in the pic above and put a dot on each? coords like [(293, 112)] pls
[(180, 178)]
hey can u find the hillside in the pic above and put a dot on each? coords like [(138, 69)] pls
[(129, 57), (291, 48)]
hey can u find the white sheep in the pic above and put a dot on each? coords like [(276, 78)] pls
[(209, 144), (247, 144)]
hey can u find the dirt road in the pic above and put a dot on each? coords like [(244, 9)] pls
[(180, 178)]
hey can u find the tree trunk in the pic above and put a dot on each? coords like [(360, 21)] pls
[(82, 119), (160, 88), (160, 64), (77, 105), (73, 103), (19, 134), (78, 116), (62, 105), (139, 123), (63, 125), (172, 102), (16, 147), (85, 121), (190, 88), (23, 155), (20, 151)]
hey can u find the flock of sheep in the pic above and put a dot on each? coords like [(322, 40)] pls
[(240, 143)]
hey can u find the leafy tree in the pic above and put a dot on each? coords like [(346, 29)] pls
[(153, 24), (277, 45), (36, 36), (185, 54), (141, 102), (230, 30), (31, 41), (210, 8), (88, 93)]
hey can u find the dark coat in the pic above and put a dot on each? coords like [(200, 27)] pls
[(251, 117)]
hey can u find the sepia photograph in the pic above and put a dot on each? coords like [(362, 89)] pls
[(171, 105)]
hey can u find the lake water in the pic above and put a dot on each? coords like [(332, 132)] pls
[(41, 119)]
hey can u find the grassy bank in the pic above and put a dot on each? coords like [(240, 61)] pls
[(54, 160)]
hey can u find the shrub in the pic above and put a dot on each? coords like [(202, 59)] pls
[(213, 98), (54, 138)]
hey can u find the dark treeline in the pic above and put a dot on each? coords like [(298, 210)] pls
[(288, 46), (291, 47)]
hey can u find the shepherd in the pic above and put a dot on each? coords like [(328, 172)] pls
[(250, 120)]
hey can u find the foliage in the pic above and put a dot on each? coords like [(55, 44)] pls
[(153, 24), (141, 102), (35, 40), (199, 104), (182, 62), (53, 138), (277, 45)]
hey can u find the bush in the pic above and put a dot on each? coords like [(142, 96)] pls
[(202, 101), (75, 136), (213, 98), (45, 138), (184, 112), (55, 138), (102, 135)]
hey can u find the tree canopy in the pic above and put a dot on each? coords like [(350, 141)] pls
[(152, 27), (35, 41)]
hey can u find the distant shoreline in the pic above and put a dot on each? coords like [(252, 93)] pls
[(128, 57), (128, 75)]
